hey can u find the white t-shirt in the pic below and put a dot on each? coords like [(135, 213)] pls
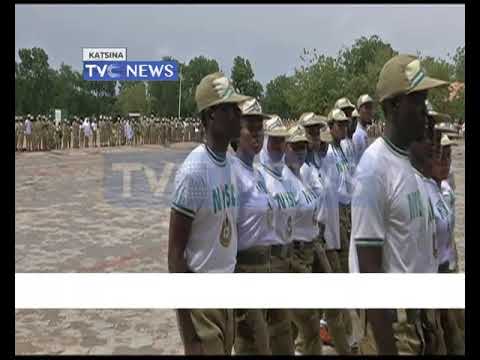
[(306, 222), (389, 208), (328, 212), (443, 222), (255, 212), (360, 141), (28, 127), (428, 260), (340, 173), (451, 179), (205, 191), (284, 210), (349, 150)]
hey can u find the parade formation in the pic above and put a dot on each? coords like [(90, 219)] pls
[(313, 195)]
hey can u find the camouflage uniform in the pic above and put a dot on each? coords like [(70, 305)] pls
[(76, 134)]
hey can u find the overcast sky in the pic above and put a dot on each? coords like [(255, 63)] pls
[(270, 36)]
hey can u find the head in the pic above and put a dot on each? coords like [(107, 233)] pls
[(222, 121), (338, 123), (406, 115), (251, 134), (295, 154), (402, 90), (218, 103), (276, 147), (313, 135), (422, 150), (365, 109)]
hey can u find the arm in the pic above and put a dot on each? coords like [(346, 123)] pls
[(179, 232), (368, 231)]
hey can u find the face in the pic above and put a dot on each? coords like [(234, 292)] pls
[(441, 163), (422, 152), (411, 115), (348, 112), (226, 121), (313, 134), (276, 147), (296, 154), (339, 130), (251, 134), (366, 113)]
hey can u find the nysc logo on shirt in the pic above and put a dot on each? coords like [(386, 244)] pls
[(415, 205), (223, 197)]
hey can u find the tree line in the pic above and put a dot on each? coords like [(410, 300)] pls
[(314, 86)]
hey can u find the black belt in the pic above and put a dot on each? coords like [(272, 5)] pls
[(256, 256), (300, 245)]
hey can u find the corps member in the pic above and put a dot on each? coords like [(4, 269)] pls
[(305, 231), (346, 143), (254, 226), (365, 115), (202, 233), (271, 163), (390, 227), (315, 173)]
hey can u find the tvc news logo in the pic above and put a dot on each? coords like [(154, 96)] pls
[(110, 64)]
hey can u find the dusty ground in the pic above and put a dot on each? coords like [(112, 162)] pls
[(73, 215)]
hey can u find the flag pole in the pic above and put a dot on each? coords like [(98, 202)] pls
[(180, 92)]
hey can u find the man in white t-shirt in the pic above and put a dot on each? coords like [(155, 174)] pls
[(346, 143), (389, 213), (360, 136), (28, 132), (202, 233)]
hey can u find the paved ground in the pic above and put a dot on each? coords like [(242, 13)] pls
[(73, 214)]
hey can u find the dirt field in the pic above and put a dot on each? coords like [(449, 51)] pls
[(72, 214)]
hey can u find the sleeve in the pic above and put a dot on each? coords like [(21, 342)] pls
[(368, 208), (190, 191)]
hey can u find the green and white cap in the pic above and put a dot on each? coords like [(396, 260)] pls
[(297, 134), (216, 89), (364, 99), (343, 103), (403, 74), (446, 128), (310, 119), (337, 115), (252, 107), (275, 127), (445, 141)]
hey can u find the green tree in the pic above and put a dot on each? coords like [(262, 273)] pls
[(459, 63), (132, 99), (35, 79), (276, 100), (164, 95), (243, 78)]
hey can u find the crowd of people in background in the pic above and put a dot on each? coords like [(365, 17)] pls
[(43, 133)]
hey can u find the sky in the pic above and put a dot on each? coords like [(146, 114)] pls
[(271, 36)]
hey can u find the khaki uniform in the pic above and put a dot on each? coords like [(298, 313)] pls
[(213, 328), (251, 324), (279, 320), (75, 135), (409, 332), (307, 321)]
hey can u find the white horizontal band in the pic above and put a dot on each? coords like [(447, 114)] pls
[(169, 291)]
